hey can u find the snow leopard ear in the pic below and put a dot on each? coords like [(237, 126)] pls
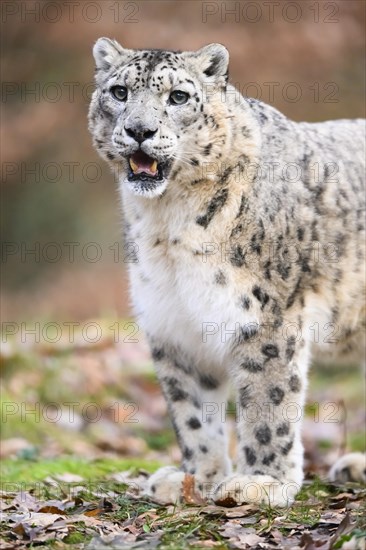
[(106, 52), (213, 61)]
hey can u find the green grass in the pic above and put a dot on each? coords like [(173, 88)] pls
[(32, 374), (187, 532), (159, 441), (357, 441), (76, 538), (27, 471)]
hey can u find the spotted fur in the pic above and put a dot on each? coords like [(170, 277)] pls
[(255, 233)]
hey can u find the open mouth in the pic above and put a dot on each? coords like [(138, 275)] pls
[(145, 168)]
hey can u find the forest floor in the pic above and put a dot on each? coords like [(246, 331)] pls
[(84, 424)]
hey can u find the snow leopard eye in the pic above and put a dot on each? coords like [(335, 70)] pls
[(178, 97), (119, 92)]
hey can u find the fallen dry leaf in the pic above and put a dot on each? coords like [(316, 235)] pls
[(344, 527), (94, 512), (26, 502), (90, 521), (190, 496), (213, 510), (239, 536), (277, 536), (227, 502), (249, 539), (4, 545), (69, 478), (34, 518), (307, 542), (241, 511), (53, 533), (51, 510), (35, 526), (20, 530), (209, 543)]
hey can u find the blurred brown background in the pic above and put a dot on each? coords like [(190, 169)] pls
[(305, 58)]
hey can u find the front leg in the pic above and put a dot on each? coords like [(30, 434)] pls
[(270, 373), (200, 434)]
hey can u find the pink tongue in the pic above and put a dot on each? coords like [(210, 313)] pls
[(144, 163)]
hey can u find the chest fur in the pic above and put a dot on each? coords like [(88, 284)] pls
[(184, 288)]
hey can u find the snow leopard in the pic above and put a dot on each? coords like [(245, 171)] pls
[(248, 232)]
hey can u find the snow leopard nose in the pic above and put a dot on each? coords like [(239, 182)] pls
[(140, 133)]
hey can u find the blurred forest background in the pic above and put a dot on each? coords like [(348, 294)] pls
[(56, 190), (59, 200)]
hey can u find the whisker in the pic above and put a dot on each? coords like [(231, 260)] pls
[(182, 160)]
